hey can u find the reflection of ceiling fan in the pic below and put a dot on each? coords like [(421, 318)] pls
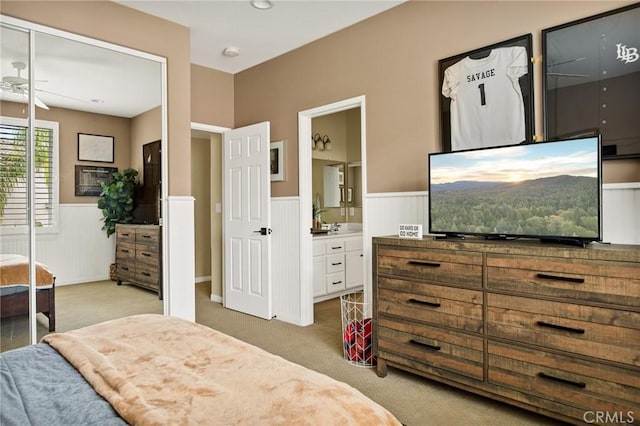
[(18, 84)]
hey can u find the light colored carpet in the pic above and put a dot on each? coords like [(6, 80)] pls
[(414, 400)]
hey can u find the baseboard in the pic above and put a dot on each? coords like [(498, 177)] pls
[(203, 279), (216, 298)]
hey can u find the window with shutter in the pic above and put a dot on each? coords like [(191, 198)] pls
[(13, 175)]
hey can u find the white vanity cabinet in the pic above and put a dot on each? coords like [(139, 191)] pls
[(337, 265)]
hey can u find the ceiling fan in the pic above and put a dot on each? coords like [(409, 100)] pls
[(19, 85)]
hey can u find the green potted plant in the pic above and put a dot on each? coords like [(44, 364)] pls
[(118, 199)]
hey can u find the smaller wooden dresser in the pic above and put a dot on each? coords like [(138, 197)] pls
[(138, 256)]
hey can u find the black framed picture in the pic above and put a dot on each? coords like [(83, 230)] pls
[(486, 96), (88, 179), (591, 80)]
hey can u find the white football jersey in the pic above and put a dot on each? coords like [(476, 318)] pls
[(486, 102)]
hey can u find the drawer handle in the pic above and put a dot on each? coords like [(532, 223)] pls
[(545, 376), (559, 278), (424, 263), (424, 303), (124, 250), (146, 274), (336, 248), (560, 327), (146, 236), (124, 268), (146, 254), (425, 345), (125, 235), (336, 263), (337, 282)]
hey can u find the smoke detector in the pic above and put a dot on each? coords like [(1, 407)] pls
[(231, 52)]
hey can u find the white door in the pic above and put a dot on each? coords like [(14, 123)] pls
[(247, 220)]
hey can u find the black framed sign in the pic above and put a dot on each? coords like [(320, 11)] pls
[(486, 96), (88, 179), (591, 80)]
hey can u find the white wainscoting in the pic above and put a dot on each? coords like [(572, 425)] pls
[(79, 252), (179, 267), (285, 249), (620, 212)]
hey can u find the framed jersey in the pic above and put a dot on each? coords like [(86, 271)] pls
[(487, 96)]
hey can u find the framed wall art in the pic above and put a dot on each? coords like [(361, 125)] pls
[(88, 179), (591, 80), (486, 96), (277, 161), (95, 148)]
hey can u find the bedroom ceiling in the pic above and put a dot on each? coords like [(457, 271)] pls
[(69, 75)]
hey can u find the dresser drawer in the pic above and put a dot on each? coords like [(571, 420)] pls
[(148, 277), (336, 282), (430, 349), (602, 333), (146, 255), (125, 271), (438, 266), (150, 236), (446, 306), (125, 234), (554, 379), (335, 263), (125, 252), (334, 246), (596, 281)]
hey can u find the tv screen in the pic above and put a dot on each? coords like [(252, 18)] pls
[(545, 190)]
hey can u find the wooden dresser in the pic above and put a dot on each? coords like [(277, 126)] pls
[(552, 329), (139, 256)]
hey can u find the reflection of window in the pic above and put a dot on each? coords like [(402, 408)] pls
[(13, 175)]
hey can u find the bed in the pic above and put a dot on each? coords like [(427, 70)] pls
[(14, 288), (154, 369)]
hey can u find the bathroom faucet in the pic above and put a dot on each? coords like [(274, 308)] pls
[(335, 227)]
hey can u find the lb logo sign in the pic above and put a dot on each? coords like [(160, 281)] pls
[(627, 54), (410, 231)]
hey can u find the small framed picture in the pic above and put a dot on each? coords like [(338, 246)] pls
[(95, 148), (277, 161)]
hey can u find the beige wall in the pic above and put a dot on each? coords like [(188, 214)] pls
[(117, 24), (392, 58), (211, 96), (201, 191), (70, 123)]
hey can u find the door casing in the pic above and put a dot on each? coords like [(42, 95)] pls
[(306, 198)]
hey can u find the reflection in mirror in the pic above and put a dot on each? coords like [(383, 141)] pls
[(14, 297), (93, 89), (337, 173)]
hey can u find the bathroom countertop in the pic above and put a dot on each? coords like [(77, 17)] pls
[(345, 233)]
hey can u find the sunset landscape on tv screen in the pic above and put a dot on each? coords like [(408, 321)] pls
[(549, 189)]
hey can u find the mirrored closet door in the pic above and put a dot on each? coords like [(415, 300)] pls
[(92, 106)]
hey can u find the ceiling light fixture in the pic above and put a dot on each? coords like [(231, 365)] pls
[(231, 52), (262, 4)]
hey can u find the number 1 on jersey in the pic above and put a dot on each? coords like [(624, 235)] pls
[(483, 99)]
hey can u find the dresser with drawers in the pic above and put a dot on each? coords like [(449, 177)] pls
[(139, 256), (549, 328)]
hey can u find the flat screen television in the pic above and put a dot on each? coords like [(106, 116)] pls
[(546, 190)]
